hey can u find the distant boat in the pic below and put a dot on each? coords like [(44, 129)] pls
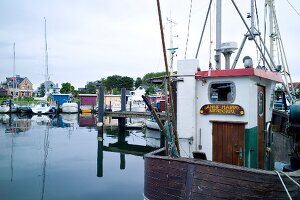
[(69, 107), (42, 108)]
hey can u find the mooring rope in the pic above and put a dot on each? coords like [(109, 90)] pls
[(286, 190), (291, 179)]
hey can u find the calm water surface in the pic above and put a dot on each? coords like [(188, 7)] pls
[(64, 157)]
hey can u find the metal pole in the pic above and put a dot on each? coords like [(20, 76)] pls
[(168, 79), (218, 33)]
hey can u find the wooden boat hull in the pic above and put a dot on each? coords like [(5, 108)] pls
[(186, 178)]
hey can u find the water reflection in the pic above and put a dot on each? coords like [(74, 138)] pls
[(35, 152)]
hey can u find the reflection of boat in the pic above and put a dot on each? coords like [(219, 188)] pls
[(4, 118), (152, 138), (69, 107), (69, 118), (151, 124), (41, 119), (42, 108)]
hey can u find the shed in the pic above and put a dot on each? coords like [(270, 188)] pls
[(59, 99), (88, 102)]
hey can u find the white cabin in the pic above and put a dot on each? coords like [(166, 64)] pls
[(223, 113)]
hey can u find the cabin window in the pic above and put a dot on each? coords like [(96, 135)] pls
[(222, 92)]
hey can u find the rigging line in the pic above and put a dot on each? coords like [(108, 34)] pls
[(208, 11), (293, 7), (188, 30), (257, 21)]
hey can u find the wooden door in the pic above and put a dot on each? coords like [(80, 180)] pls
[(228, 143), (261, 121)]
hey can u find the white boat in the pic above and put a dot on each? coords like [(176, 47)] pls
[(151, 124), (42, 108), (135, 101), (69, 107), (4, 108), (134, 125)]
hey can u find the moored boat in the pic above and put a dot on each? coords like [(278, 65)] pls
[(42, 108), (8, 106), (69, 107)]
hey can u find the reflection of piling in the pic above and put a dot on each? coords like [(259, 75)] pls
[(122, 121), (100, 153), (122, 160), (121, 140)]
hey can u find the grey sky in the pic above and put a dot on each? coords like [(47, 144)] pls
[(92, 39)]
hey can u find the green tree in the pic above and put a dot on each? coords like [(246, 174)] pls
[(126, 82), (66, 88), (150, 90), (41, 90), (113, 82), (138, 82), (90, 88), (152, 75)]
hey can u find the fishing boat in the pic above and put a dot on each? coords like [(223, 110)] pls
[(232, 143)]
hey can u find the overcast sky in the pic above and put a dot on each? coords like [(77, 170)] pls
[(93, 39)]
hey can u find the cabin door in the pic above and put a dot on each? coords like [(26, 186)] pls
[(228, 143), (261, 121)]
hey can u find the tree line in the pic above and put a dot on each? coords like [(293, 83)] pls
[(112, 84)]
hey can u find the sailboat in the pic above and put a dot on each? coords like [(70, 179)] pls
[(235, 145), (8, 106)]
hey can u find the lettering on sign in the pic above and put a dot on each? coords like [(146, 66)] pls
[(222, 109)]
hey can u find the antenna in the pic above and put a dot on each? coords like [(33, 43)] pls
[(172, 50)]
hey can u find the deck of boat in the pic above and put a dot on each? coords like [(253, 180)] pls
[(186, 178)]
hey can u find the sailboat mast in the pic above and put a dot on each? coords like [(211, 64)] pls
[(47, 78), (14, 70), (218, 33)]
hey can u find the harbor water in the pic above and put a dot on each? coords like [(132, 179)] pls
[(67, 157)]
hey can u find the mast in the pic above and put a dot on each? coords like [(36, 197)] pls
[(218, 33), (275, 39), (47, 77), (14, 70)]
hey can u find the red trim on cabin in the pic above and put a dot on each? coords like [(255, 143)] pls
[(275, 76)]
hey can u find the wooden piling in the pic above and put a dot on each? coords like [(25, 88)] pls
[(101, 104)]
